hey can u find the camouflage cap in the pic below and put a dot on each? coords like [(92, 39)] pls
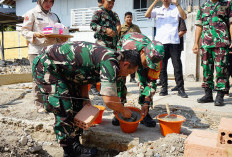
[(154, 53)]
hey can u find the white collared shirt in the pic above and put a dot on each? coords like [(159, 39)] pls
[(167, 20), (34, 21)]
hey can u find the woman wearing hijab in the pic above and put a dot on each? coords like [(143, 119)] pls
[(34, 22)]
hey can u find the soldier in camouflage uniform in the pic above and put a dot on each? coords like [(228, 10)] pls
[(213, 21), (147, 85), (106, 25), (63, 72)]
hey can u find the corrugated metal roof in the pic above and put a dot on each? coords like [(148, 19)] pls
[(8, 2)]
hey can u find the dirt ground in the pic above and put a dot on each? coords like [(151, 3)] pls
[(24, 132)]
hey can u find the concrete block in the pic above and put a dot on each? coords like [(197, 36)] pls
[(86, 116), (225, 133), (203, 144)]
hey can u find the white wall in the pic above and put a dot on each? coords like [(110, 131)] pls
[(22, 6), (63, 7)]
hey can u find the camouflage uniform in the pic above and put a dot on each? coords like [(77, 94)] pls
[(137, 41), (101, 20), (62, 69), (215, 19)]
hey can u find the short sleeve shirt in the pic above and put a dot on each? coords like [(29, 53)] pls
[(215, 19), (167, 20), (81, 63), (34, 21)]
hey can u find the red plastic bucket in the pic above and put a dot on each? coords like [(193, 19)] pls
[(98, 120), (130, 127), (168, 127)]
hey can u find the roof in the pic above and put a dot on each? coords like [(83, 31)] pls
[(8, 10), (8, 2), (10, 19)]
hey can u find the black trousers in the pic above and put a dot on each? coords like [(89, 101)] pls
[(172, 51), (229, 70), (230, 65)]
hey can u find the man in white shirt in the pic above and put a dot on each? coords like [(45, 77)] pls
[(167, 20)]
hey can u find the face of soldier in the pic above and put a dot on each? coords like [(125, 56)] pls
[(125, 68), (108, 5), (47, 4), (143, 58), (128, 19)]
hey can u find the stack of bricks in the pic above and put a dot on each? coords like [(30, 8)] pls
[(209, 144)]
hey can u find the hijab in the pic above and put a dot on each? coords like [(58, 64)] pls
[(40, 3)]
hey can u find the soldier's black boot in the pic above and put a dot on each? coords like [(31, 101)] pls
[(78, 150), (219, 101), (148, 121), (208, 97), (67, 151), (115, 121)]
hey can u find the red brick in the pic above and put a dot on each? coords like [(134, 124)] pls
[(203, 144), (86, 116), (224, 138)]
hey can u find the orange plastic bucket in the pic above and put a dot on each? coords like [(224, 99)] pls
[(98, 86), (168, 127), (129, 127), (98, 120)]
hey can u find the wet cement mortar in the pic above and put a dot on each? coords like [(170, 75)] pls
[(26, 133)]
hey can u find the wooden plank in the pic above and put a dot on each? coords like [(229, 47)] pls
[(15, 78), (58, 36)]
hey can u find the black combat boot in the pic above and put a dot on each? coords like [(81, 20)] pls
[(148, 121), (219, 99), (164, 91), (78, 150), (115, 121), (208, 97)]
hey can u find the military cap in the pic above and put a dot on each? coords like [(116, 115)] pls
[(154, 53), (154, 50)]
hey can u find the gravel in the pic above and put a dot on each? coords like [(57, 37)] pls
[(170, 146)]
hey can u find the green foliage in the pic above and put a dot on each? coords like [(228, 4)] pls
[(10, 28)]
